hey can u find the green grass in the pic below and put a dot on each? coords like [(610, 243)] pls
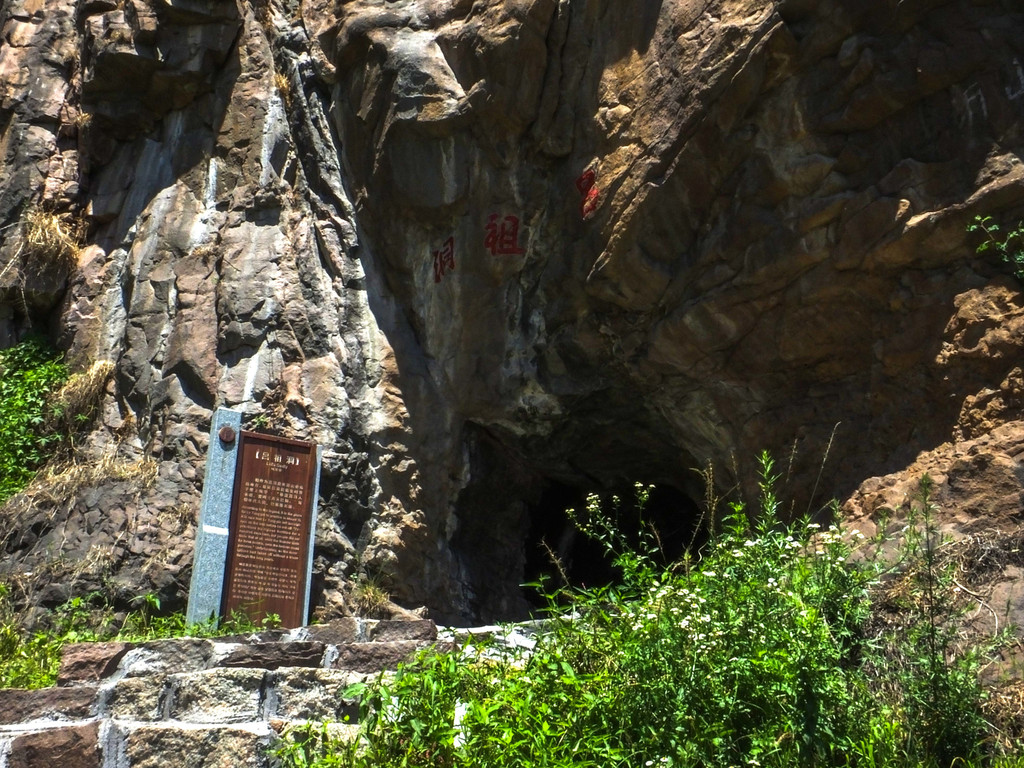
[(32, 659), (763, 653)]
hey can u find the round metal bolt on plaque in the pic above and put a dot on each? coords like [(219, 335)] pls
[(226, 434)]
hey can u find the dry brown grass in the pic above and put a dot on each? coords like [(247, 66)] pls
[(57, 485), (970, 566), (66, 481), (207, 252), (46, 504), (78, 400), (1004, 709), (371, 600), (284, 87), (52, 238)]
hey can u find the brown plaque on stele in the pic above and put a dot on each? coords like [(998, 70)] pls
[(271, 515)]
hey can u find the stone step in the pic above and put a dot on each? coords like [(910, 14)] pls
[(214, 696), (37, 745), (125, 744), (18, 705), (315, 646), (196, 702), (227, 695)]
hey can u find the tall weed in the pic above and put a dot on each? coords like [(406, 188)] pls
[(921, 666)]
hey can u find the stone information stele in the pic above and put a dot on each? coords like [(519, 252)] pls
[(211, 548), (254, 544), (270, 543)]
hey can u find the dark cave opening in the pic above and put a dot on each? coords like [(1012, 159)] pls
[(511, 518), (674, 516)]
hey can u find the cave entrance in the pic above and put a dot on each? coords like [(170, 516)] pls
[(552, 535)]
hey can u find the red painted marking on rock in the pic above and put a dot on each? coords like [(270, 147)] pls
[(444, 259), (591, 194), (502, 237)]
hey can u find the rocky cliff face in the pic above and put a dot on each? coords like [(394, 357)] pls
[(485, 250)]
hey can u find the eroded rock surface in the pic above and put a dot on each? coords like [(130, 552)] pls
[(478, 249)]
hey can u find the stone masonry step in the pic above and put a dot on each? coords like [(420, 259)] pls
[(125, 744), (199, 703)]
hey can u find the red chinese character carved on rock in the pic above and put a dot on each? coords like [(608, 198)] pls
[(590, 193), (444, 258), (502, 237)]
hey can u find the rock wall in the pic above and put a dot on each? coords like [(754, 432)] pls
[(480, 249)]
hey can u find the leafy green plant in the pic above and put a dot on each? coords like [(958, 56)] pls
[(31, 660), (316, 745), (146, 622), (29, 373), (1010, 246), (761, 653), (259, 422)]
